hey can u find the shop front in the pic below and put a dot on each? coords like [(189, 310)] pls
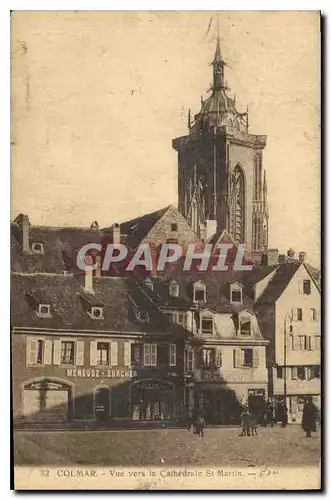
[(47, 400), (152, 399)]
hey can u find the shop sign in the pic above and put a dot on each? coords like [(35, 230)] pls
[(153, 384), (225, 377), (46, 385), (100, 373)]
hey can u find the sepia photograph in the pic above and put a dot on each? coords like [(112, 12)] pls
[(165, 250)]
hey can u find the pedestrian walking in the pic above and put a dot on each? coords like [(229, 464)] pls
[(284, 415), (309, 416), (200, 425), (190, 420), (245, 422), (254, 423), (270, 413)]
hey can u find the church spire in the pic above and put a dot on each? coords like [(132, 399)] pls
[(218, 67)]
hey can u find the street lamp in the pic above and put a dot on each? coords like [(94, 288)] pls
[(284, 421)]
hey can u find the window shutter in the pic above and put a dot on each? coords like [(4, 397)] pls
[(172, 356), (255, 357), (295, 343), (237, 358), (295, 314), (147, 354), (114, 353), (218, 358), (300, 286), (48, 352), (153, 355), (93, 352), (79, 353), (57, 352), (127, 353), (311, 343), (31, 351), (294, 374)]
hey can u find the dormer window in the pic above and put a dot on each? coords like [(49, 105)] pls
[(199, 292), (245, 327), (235, 294), (44, 310), (37, 248), (96, 313), (142, 316), (173, 289)]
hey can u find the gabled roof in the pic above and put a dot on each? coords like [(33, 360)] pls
[(120, 298), (279, 282), (137, 229)]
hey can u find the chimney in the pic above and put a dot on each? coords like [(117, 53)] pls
[(270, 258), (302, 256), (97, 271), (23, 221), (116, 232), (282, 258), (88, 275)]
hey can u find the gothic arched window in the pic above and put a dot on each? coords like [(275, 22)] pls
[(237, 204)]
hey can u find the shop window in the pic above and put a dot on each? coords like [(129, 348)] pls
[(306, 286), (150, 355), (102, 353), (67, 352), (207, 325)]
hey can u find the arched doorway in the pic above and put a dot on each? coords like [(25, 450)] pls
[(47, 400)]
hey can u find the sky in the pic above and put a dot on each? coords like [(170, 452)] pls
[(97, 98)]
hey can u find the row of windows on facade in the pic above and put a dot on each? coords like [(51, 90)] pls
[(306, 342), (207, 323), (299, 372), (70, 352), (298, 314), (64, 352)]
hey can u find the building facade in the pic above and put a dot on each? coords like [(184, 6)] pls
[(288, 306), (221, 182), (91, 352)]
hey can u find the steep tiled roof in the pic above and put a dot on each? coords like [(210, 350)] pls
[(121, 298), (61, 245), (217, 291), (138, 228)]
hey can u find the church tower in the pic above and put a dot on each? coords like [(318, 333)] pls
[(221, 184)]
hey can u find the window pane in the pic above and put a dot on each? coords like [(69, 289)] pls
[(67, 352), (236, 296), (248, 357), (306, 287), (103, 353), (206, 325), (199, 295), (299, 314), (245, 328), (40, 349)]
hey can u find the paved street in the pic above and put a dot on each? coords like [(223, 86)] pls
[(220, 446)]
